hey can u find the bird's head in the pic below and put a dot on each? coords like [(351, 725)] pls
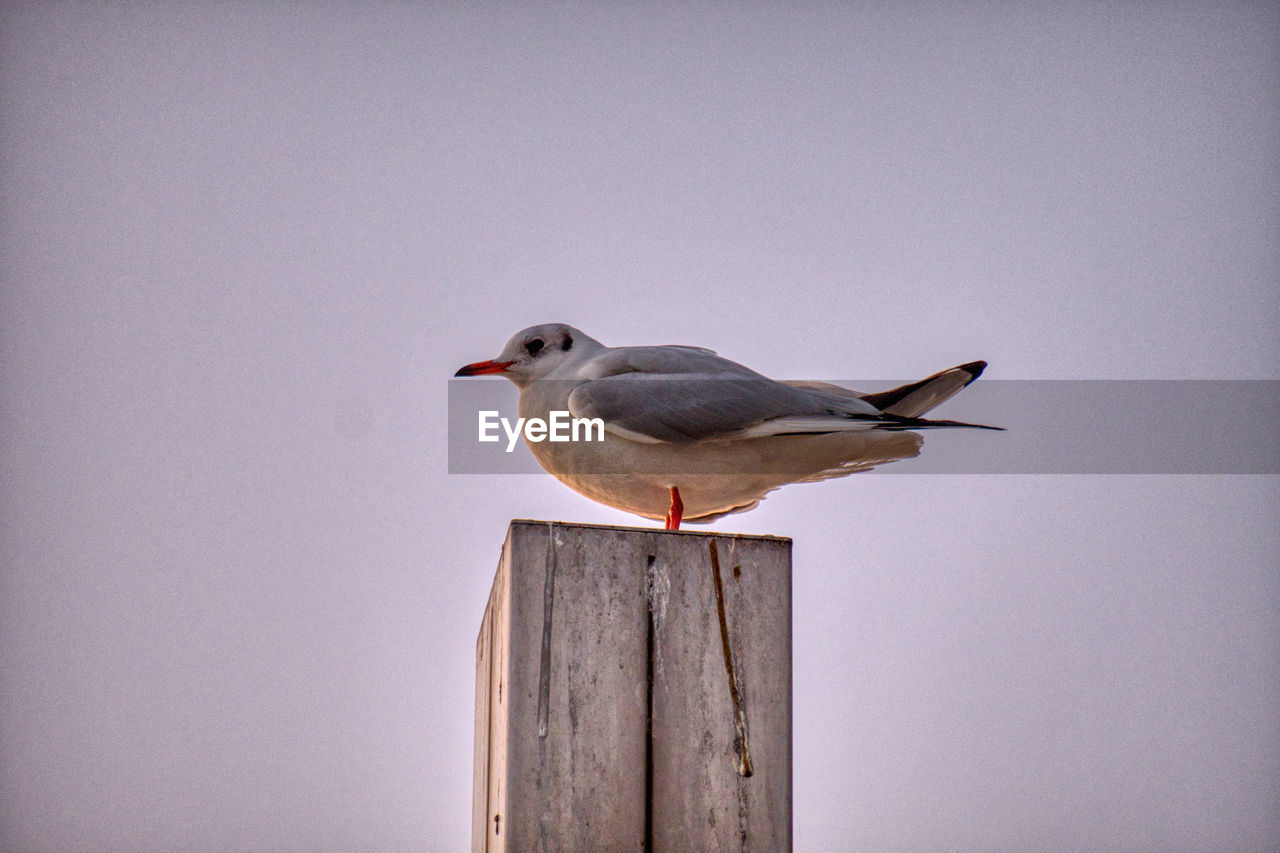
[(535, 353)]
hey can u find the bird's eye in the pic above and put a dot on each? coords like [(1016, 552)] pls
[(568, 342), (534, 345)]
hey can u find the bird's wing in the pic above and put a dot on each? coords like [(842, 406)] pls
[(911, 400), (916, 398), (684, 395), (670, 360)]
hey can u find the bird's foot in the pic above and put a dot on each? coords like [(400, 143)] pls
[(676, 512)]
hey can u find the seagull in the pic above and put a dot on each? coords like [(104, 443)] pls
[(689, 436)]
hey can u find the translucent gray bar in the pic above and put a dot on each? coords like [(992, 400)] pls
[(1051, 427)]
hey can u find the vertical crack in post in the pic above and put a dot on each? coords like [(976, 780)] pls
[(495, 672), (548, 598), (650, 650), (740, 744)]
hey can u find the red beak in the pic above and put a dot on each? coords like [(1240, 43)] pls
[(480, 368)]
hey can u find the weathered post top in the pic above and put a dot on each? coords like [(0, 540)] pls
[(633, 692)]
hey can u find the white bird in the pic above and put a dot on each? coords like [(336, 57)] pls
[(691, 436)]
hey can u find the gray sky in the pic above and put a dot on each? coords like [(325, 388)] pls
[(245, 245)]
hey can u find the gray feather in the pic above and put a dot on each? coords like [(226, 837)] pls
[(684, 395)]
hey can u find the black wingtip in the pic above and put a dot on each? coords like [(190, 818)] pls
[(974, 369), (931, 423)]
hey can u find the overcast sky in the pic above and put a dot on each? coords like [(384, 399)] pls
[(244, 245)]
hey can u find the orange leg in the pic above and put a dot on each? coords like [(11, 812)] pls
[(676, 513)]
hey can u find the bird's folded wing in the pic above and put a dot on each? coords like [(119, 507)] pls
[(917, 398), (684, 408), (666, 360)]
